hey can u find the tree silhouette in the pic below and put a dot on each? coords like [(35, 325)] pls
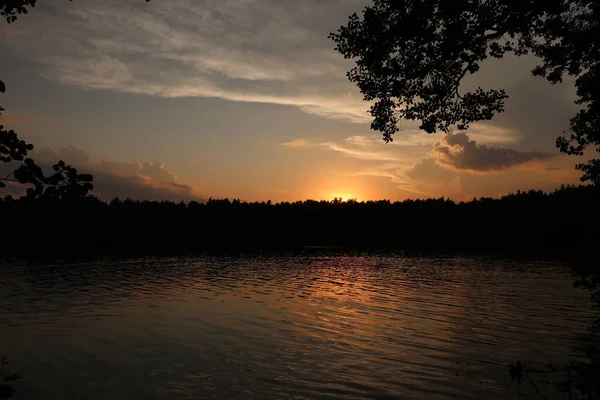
[(516, 223), (411, 56)]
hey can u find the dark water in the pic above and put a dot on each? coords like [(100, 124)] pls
[(284, 327)]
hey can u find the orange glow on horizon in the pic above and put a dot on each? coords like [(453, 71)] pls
[(338, 184), (344, 196)]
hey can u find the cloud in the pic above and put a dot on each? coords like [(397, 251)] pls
[(138, 181), (360, 153), (437, 180), (267, 51), (417, 165), (427, 178), (295, 143), (457, 151), (445, 167), (410, 145), (108, 186), (411, 137), (255, 51), (364, 147), (152, 171), (71, 154), (180, 186), (492, 135)]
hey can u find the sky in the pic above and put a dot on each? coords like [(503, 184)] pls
[(191, 99)]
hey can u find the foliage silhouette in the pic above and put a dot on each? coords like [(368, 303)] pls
[(64, 183), (412, 55), (525, 222), (9, 9)]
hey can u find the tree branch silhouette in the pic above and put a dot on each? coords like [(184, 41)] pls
[(411, 56)]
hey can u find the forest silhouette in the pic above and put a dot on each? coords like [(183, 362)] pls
[(561, 222)]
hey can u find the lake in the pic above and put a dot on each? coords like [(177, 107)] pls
[(311, 325)]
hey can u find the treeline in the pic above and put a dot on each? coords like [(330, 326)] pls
[(566, 220)]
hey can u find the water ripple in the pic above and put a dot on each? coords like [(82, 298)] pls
[(285, 326)]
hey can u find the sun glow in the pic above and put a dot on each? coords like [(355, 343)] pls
[(341, 186), (344, 196)]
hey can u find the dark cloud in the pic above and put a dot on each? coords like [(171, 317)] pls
[(108, 186), (458, 152), (538, 112), (138, 181), (180, 186)]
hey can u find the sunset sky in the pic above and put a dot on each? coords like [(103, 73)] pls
[(187, 99)]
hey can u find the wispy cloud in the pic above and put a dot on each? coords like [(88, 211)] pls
[(492, 135), (254, 51), (295, 143), (408, 146), (359, 153), (406, 138)]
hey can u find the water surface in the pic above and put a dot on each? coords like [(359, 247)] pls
[(287, 326)]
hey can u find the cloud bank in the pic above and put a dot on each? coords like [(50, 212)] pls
[(135, 180), (457, 151)]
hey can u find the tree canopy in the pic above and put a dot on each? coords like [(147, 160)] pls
[(412, 55)]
